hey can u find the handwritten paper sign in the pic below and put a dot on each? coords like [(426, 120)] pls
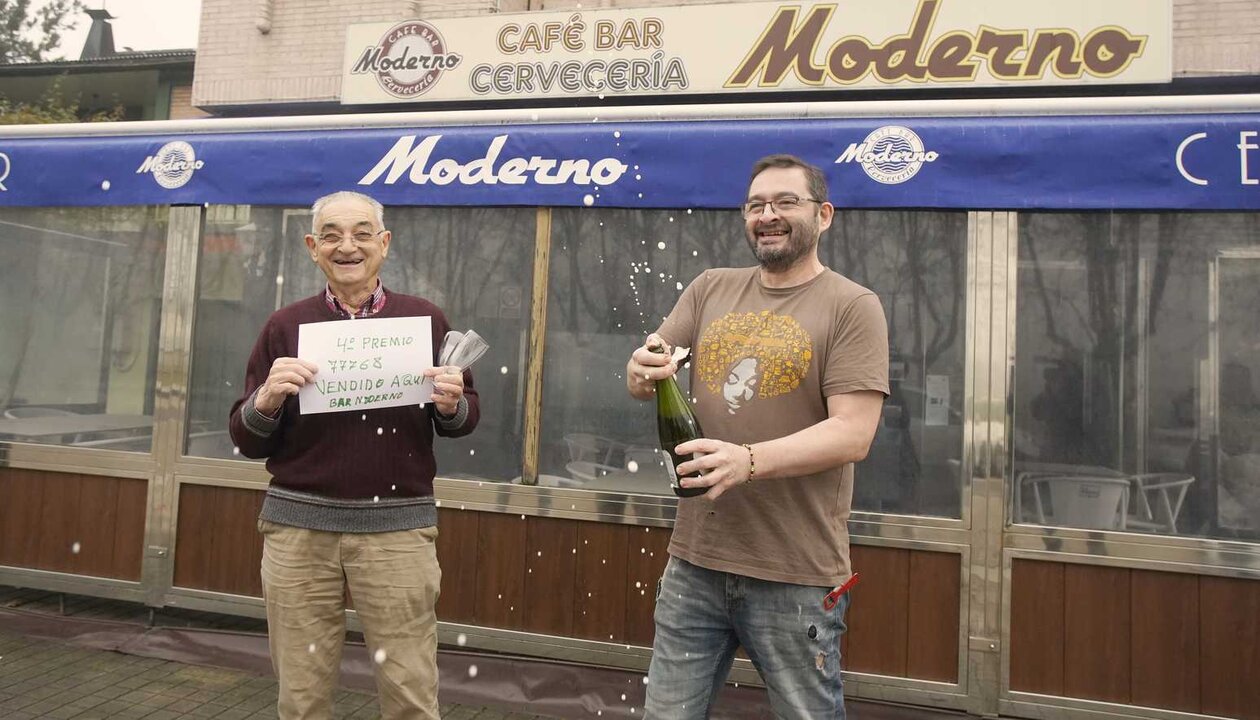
[(370, 363)]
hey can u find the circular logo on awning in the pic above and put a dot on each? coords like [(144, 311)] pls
[(173, 165), (893, 154), (408, 60)]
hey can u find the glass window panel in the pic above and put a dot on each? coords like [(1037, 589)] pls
[(475, 264), (1136, 363), (916, 262), (83, 292), (616, 273)]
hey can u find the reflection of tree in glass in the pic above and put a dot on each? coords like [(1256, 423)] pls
[(476, 265), (914, 261), (599, 275), (92, 280), (1085, 279), (457, 257)]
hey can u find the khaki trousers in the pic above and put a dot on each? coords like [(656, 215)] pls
[(393, 579)]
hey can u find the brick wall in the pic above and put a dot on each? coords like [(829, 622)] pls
[(300, 58), (181, 104), (1216, 37)]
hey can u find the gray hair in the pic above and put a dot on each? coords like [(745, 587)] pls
[(318, 206)]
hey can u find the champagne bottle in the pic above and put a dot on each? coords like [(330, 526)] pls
[(676, 424)]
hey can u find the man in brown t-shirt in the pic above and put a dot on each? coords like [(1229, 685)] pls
[(789, 375)]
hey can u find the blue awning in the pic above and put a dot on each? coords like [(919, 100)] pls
[(1178, 161)]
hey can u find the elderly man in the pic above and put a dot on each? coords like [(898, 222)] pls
[(789, 375), (348, 503)]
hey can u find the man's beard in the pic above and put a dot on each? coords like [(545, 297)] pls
[(802, 238)]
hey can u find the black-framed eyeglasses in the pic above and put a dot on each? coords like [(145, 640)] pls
[(781, 205), (363, 237)]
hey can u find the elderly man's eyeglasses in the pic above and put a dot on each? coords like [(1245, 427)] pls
[(781, 205), (363, 237)]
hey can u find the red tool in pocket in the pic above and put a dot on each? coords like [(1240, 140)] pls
[(833, 597)]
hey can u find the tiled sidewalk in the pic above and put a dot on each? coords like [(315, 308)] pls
[(41, 680), (66, 657), (44, 679)]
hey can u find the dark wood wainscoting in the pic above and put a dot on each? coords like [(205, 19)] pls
[(217, 544), (592, 580), (569, 578), (904, 614), (598, 581), (1158, 639), (66, 522)]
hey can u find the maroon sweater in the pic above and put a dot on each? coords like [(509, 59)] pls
[(354, 471)]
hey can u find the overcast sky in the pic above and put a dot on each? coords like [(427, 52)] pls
[(140, 25)]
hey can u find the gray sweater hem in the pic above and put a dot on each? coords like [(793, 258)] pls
[(315, 512)]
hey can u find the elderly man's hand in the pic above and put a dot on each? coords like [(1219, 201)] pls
[(287, 376), (448, 388)]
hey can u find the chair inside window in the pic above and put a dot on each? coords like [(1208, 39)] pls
[(1027, 504), (585, 470), (585, 447), (1079, 501), (25, 412), (1160, 497), (210, 444), (34, 411), (129, 443), (645, 459)]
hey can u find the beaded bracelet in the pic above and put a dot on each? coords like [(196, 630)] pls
[(752, 464)]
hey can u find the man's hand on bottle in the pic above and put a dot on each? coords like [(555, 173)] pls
[(721, 465), (648, 363), (287, 376)]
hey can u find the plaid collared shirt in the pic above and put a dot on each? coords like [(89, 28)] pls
[(369, 308)]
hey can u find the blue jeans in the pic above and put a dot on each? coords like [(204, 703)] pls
[(703, 616)]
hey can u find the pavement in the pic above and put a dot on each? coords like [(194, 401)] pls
[(50, 678), (40, 679), (70, 657)]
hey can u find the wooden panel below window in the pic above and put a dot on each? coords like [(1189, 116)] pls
[(1037, 619), (600, 584), (932, 616), (589, 580), (218, 546), (600, 593), (21, 504), (877, 618), (58, 518), (1165, 640), (1096, 646), (133, 503), (903, 620), (550, 576), (1230, 662), (647, 552), (67, 522), (457, 556), (501, 543), (1172, 641)]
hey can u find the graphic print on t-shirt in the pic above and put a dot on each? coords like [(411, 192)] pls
[(750, 355)]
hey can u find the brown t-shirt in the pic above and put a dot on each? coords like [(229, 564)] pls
[(764, 362)]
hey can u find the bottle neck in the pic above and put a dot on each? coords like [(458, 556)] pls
[(667, 389)]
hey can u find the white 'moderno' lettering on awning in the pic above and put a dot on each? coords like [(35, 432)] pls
[(862, 152), (408, 157)]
